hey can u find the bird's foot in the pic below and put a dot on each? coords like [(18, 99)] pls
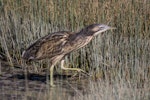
[(80, 70), (52, 85)]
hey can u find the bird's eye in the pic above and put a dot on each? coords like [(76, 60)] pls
[(101, 28)]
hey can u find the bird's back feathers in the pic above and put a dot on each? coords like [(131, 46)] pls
[(47, 46)]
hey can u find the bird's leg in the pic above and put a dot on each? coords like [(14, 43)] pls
[(74, 69), (51, 76)]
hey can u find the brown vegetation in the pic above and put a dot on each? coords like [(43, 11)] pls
[(118, 60)]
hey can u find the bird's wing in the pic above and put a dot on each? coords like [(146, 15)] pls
[(48, 46)]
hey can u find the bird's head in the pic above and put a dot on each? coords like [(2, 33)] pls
[(96, 29)]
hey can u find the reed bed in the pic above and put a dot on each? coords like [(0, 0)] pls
[(119, 60)]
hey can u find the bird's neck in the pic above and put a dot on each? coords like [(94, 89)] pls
[(81, 39)]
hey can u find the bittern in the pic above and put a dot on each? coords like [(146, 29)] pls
[(57, 45)]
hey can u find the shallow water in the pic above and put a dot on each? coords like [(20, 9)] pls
[(17, 86)]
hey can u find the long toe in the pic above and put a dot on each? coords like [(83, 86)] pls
[(80, 70)]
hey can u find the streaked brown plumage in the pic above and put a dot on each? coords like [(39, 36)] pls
[(56, 46)]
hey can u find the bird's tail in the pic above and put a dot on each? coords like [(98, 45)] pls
[(26, 55)]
